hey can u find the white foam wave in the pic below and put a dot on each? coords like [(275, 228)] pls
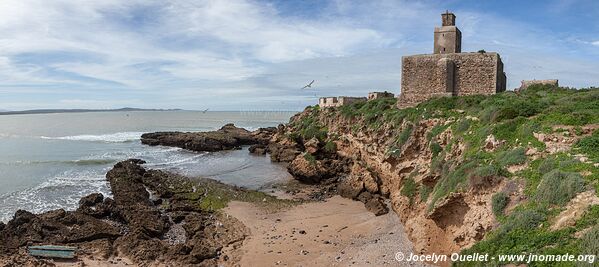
[(107, 138)]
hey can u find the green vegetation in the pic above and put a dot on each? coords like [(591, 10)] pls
[(425, 191), (310, 158), (499, 202), (409, 189), (330, 147), (549, 181), (590, 146), (557, 187), (511, 157)]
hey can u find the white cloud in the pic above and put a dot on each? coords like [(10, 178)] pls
[(222, 54)]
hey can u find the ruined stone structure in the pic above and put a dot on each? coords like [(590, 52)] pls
[(377, 95), (526, 84), (448, 72), (327, 102)]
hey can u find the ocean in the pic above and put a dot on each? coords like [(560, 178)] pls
[(49, 161)]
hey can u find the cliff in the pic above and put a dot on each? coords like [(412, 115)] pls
[(464, 174)]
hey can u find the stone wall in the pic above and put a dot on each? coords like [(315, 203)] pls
[(327, 102), (526, 84), (377, 95), (426, 76)]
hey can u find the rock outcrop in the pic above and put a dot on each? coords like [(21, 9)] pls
[(226, 138), (153, 217)]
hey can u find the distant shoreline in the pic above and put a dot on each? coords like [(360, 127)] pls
[(50, 111), (55, 111)]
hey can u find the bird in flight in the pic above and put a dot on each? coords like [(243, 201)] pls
[(308, 85)]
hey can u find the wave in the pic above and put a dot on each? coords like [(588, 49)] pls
[(82, 162), (121, 137)]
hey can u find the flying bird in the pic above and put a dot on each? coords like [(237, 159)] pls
[(308, 85)]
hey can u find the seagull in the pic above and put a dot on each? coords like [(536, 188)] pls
[(204, 111), (308, 85)]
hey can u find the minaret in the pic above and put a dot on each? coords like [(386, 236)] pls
[(448, 38)]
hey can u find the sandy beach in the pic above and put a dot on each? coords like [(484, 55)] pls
[(335, 232)]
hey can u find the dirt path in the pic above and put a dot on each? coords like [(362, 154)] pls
[(337, 232)]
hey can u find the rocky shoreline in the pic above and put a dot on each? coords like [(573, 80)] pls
[(153, 217), (156, 216)]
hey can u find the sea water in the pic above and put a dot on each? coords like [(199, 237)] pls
[(49, 161)]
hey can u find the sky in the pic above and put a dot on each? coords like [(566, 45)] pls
[(256, 55)]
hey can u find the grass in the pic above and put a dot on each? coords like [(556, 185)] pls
[(512, 157), (499, 202), (409, 189), (590, 146), (558, 187)]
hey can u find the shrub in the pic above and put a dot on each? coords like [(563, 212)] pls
[(330, 147), (499, 202), (436, 131), (409, 189), (310, 158), (522, 220), (548, 165), (462, 126), (425, 191), (557, 187), (589, 243), (404, 135), (590, 145), (512, 157), (483, 176), (435, 149)]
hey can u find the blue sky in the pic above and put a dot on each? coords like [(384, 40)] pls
[(255, 55)]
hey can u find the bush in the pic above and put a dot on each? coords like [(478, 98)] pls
[(589, 243), (484, 176), (462, 126), (557, 187), (548, 165), (590, 145), (409, 189), (404, 135), (330, 147), (435, 149), (512, 157), (522, 220), (499, 202), (310, 158), (425, 191)]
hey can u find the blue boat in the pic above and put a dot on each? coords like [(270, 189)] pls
[(49, 251)]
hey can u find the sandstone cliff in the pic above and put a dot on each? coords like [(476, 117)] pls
[(464, 174)]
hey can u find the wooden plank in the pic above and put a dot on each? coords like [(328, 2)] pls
[(64, 252)]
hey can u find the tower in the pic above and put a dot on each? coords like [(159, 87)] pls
[(448, 38)]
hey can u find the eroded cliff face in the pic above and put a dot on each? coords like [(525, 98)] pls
[(452, 224), (447, 173)]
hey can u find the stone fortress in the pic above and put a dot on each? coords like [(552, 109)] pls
[(448, 71)]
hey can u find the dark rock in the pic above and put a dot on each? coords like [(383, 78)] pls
[(226, 138), (91, 200), (364, 197), (258, 149), (377, 206)]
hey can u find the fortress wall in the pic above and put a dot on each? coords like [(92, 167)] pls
[(426, 76)]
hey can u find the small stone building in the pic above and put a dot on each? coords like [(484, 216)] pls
[(449, 72), (377, 95), (526, 84), (327, 102)]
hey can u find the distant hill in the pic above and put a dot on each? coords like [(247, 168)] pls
[(45, 111)]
